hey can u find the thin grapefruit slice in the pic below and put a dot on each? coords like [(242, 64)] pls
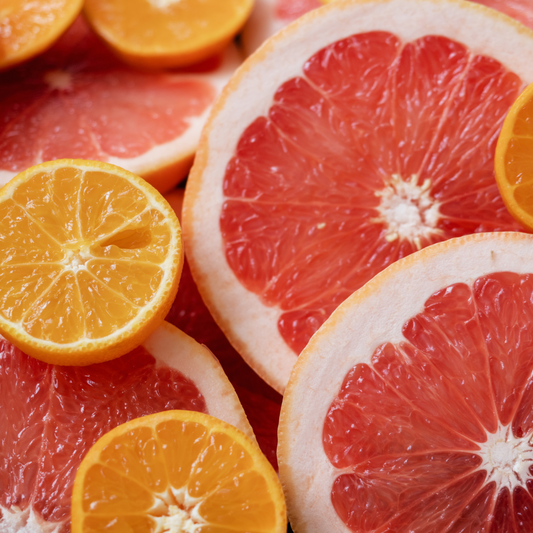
[(79, 101), (167, 33), (260, 402), (410, 409), (29, 28), (180, 471), (90, 261), (269, 16), (51, 416), (356, 136)]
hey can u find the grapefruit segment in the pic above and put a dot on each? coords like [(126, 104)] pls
[(52, 415), (367, 147), (403, 444)]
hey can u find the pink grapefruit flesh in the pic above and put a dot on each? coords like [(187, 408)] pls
[(429, 411), (381, 147)]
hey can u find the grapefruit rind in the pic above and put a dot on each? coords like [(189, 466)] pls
[(350, 336), (250, 325), (134, 332), (259, 464), (500, 160)]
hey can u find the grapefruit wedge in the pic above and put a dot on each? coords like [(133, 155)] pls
[(78, 101), (411, 408), (50, 416), (356, 136)]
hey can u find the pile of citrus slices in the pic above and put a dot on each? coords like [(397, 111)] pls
[(354, 275)]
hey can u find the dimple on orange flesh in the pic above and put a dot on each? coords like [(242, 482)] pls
[(167, 33), (90, 258), (382, 131), (29, 28), (178, 467)]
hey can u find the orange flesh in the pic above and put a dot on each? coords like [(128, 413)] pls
[(51, 416), (408, 428), (301, 223), (83, 252), (78, 101)]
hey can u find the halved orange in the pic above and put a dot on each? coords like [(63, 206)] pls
[(514, 159), (177, 471), (29, 28), (90, 258), (167, 33)]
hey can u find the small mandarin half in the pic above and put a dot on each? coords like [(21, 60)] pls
[(29, 28), (90, 259), (177, 471)]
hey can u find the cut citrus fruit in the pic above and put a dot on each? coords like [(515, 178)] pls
[(167, 33), (269, 16), (410, 409), (50, 416), (514, 160), (90, 259), (29, 28), (260, 402), (177, 471), (357, 135), (521, 10), (79, 101)]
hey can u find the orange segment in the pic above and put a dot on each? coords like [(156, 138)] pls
[(514, 160), (29, 28), (90, 257), (178, 469), (167, 33)]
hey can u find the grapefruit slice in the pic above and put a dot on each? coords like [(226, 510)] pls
[(167, 33), (260, 402), (79, 101), (312, 177), (50, 416), (269, 16), (410, 409), (521, 10), (177, 471), (29, 28)]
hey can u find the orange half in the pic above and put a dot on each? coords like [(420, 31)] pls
[(167, 33), (29, 28), (177, 471), (90, 259), (514, 159)]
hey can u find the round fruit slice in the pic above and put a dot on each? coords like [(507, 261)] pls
[(29, 28), (361, 133), (167, 33), (514, 162), (90, 260), (79, 101), (269, 16), (188, 312), (411, 408), (521, 10), (50, 416), (177, 471)]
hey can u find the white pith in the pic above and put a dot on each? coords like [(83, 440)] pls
[(350, 336), (164, 154), (176, 511), (407, 210), (173, 348), (251, 325), (506, 459)]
